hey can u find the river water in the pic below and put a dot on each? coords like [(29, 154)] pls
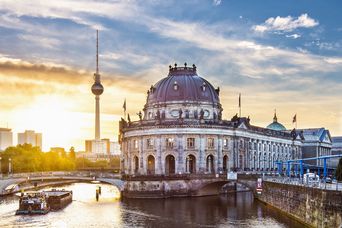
[(236, 210)]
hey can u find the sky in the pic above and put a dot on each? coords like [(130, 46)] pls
[(283, 55)]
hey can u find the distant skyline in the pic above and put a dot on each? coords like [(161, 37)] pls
[(283, 55)]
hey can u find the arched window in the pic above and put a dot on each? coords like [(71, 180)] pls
[(225, 163), (136, 164), (191, 164), (150, 165), (170, 165), (210, 164)]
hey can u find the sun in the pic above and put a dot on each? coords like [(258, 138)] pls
[(53, 116)]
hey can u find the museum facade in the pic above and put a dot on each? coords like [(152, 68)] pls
[(181, 131)]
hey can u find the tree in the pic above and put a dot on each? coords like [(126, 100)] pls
[(72, 154), (339, 170)]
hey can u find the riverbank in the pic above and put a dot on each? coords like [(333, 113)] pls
[(233, 210), (310, 206)]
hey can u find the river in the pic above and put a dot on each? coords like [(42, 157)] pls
[(236, 210)]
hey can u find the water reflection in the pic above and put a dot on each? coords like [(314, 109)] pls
[(219, 211)]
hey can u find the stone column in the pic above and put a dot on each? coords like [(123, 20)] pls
[(141, 162), (159, 165), (201, 165), (219, 166), (129, 159), (231, 151), (180, 149)]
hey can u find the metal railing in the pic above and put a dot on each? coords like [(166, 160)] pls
[(320, 184), (61, 174)]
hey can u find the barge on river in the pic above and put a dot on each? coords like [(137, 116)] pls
[(58, 199), (42, 202), (33, 203)]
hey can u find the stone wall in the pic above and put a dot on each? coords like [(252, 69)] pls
[(172, 188), (315, 207)]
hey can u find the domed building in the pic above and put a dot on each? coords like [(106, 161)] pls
[(181, 131), (276, 125)]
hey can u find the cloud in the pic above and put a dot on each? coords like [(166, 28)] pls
[(293, 36), (41, 41), (286, 24), (217, 2), (55, 76), (76, 11)]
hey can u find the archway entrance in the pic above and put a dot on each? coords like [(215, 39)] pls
[(150, 165), (210, 164), (225, 163), (191, 164), (136, 164), (170, 166)]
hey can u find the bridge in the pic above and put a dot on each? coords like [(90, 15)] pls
[(149, 186), (299, 164), (163, 186), (27, 181)]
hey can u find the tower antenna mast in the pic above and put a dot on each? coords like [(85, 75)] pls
[(97, 51)]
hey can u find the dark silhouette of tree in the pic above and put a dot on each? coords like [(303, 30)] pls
[(339, 170)]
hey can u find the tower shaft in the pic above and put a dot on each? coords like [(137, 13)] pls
[(97, 118)]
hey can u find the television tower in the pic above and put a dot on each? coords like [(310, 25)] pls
[(97, 90)]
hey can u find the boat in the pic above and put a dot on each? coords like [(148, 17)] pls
[(33, 203), (58, 199)]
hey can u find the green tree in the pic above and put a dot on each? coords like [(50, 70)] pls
[(72, 154), (339, 170), (26, 158)]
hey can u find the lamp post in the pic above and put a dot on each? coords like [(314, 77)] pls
[(9, 166), (0, 168)]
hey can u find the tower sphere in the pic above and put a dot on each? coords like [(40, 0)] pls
[(97, 89)]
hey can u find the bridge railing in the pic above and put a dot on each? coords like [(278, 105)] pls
[(61, 174), (306, 183)]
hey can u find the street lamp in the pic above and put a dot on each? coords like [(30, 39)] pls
[(0, 168), (9, 166)]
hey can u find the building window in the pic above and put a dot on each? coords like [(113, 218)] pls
[(203, 87), (210, 143), (225, 143), (170, 142), (175, 86), (135, 144), (187, 114), (149, 143), (190, 142)]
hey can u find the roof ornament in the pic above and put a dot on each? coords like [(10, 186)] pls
[(218, 90), (275, 119), (194, 66), (175, 65), (185, 64)]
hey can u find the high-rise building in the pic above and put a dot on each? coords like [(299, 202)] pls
[(6, 138), (30, 137)]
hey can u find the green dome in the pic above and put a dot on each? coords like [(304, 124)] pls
[(275, 125)]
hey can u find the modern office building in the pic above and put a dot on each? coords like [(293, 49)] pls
[(6, 138), (30, 137)]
